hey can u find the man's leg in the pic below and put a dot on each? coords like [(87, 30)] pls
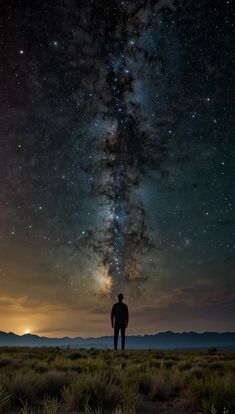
[(116, 332), (123, 329)]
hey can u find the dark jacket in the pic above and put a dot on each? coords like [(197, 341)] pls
[(120, 314)]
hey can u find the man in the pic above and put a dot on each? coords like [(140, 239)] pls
[(119, 320)]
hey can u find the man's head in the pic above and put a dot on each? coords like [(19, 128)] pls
[(120, 297)]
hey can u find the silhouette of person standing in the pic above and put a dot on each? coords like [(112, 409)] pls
[(119, 320)]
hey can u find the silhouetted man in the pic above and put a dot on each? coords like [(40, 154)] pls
[(119, 320)]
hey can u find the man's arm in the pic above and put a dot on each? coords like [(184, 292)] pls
[(127, 316), (112, 317)]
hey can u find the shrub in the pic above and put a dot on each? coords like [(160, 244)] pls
[(144, 383), (74, 355), (212, 390), (92, 389), (169, 363), (195, 372), (212, 350), (184, 365), (25, 387), (41, 368), (53, 381), (4, 362), (159, 389)]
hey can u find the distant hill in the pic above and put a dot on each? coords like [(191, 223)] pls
[(162, 340)]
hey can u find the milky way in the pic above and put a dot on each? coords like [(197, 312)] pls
[(117, 164)]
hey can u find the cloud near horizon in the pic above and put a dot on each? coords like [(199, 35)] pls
[(178, 310)]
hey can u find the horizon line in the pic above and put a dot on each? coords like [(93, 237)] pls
[(105, 336)]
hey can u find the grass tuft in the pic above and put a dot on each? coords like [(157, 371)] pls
[(212, 391), (4, 397), (51, 405), (130, 399), (93, 389)]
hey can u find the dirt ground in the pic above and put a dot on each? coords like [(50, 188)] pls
[(148, 407), (166, 407)]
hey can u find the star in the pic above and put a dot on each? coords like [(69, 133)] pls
[(55, 43)]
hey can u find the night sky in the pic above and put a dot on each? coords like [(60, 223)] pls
[(117, 165)]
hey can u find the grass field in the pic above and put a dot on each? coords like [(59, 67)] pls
[(50, 381)]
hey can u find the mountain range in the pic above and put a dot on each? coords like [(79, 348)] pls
[(163, 340)]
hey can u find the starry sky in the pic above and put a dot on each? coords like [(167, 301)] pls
[(117, 165)]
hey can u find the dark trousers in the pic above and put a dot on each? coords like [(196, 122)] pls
[(116, 333)]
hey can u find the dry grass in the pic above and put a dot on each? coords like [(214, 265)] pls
[(55, 381)]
